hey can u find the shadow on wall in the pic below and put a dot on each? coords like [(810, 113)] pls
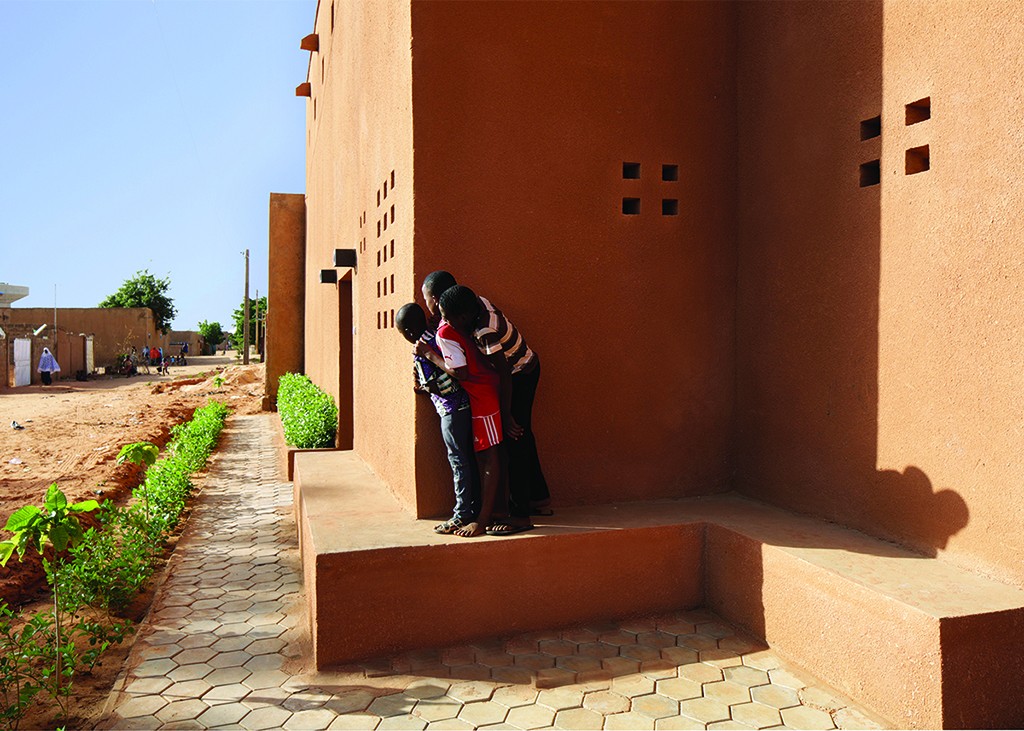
[(810, 123)]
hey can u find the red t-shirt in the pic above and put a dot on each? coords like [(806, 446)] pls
[(483, 382)]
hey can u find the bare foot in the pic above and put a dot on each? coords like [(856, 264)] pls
[(469, 531)]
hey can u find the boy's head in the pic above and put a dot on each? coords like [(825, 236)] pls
[(434, 284), (459, 306), (411, 321)]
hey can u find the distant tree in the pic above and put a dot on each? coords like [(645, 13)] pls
[(145, 290), (238, 317), (211, 332)]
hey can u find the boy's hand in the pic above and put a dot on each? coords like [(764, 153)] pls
[(511, 427), (422, 349)]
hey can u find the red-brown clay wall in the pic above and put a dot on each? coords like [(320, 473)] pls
[(114, 328), (525, 114), (879, 368), (359, 121), (286, 298)]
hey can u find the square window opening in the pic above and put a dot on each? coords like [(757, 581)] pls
[(870, 173), (631, 206), (871, 128), (631, 170), (919, 111), (670, 207), (918, 160), (670, 172)]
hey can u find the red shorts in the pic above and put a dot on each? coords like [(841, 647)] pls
[(486, 431)]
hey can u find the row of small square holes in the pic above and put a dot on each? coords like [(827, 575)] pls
[(385, 318), (669, 173), (918, 159)]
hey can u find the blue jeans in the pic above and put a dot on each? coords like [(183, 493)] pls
[(457, 431)]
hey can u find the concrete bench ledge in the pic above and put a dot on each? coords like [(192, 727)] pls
[(917, 640)]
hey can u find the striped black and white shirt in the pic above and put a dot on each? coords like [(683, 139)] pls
[(499, 335)]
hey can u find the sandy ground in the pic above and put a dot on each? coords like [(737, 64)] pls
[(73, 432)]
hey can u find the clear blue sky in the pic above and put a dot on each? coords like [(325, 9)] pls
[(147, 134)]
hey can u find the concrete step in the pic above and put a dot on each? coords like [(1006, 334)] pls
[(914, 639)]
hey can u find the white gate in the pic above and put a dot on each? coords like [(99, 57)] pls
[(22, 362), (90, 361)]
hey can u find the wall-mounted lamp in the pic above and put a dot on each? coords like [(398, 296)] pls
[(40, 329), (310, 43), (328, 276), (304, 89), (345, 258)]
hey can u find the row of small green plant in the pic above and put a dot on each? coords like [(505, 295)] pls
[(309, 415), (94, 574)]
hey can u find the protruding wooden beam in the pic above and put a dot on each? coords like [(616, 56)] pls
[(310, 43), (304, 89)]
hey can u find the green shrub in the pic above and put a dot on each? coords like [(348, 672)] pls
[(309, 415)]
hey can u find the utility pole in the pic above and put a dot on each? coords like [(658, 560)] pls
[(257, 338), (245, 311)]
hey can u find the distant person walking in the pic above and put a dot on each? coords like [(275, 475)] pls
[(47, 366)]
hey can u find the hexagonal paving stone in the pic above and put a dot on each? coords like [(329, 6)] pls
[(530, 717), (700, 673), (264, 662), (578, 663), (494, 658), (746, 675), (147, 686), (629, 722), (803, 717), (514, 696), (558, 648), (230, 692), (232, 643), (659, 669), (534, 661), (618, 638), (727, 726), (704, 709), (146, 705), (195, 655), (265, 679), (756, 715), (560, 699), (782, 676), (579, 719), (463, 655), (268, 717), (187, 689), (680, 655), (401, 722), (620, 665), (578, 635), (516, 675), (391, 705), (471, 672), (655, 706), (154, 668), (720, 658), (437, 709), (553, 678), (775, 696), (762, 660), (266, 647), (222, 715), (632, 685), (597, 649), (311, 719), (715, 629), (184, 710), (640, 652), (227, 676), (202, 639), (674, 625), (235, 659), (697, 642), (190, 672), (679, 689), (472, 691), (740, 645), (456, 724), (638, 625), (656, 639), (727, 692), (483, 713)]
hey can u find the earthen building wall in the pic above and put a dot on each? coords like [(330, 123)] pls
[(286, 299), (115, 329), (879, 311), (575, 165), (359, 196)]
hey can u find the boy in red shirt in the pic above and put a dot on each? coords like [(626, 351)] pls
[(461, 359)]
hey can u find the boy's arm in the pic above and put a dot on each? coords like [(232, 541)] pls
[(460, 372), (509, 425)]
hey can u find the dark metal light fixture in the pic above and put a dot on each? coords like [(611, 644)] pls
[(345, 258), (328, 276)]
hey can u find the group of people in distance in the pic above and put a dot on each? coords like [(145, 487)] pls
[(482, 378)]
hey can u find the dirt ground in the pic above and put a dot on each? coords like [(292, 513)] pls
[(73, 432)]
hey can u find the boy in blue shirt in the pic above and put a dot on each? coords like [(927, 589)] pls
[(452, 405)]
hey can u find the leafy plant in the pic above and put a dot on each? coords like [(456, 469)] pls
[(20, 681), (140, 453), (309, 415), (211, 333), (56, 523), (257, 307), (145, 290)]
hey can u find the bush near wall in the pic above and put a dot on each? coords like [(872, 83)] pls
[(309, 415)]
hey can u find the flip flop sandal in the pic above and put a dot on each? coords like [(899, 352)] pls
[(507, 530), (449, 526)]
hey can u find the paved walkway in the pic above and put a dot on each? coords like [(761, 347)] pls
[(225, 646)]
